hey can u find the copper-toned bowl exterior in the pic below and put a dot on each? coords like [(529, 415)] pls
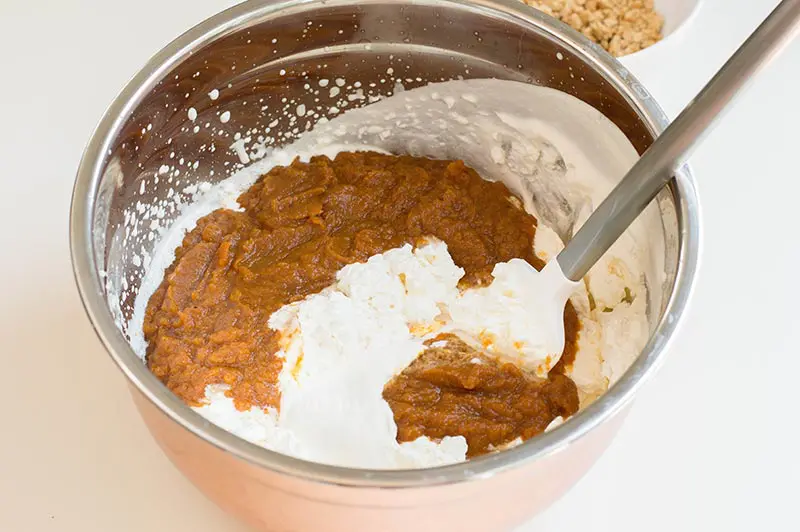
[(264, 52), (275, 502)]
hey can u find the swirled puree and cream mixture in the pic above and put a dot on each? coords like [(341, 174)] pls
[(370, 296)]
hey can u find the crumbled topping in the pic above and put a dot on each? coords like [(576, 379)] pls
[(620, 26)]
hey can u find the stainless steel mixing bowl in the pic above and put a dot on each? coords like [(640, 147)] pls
[(263, 56)]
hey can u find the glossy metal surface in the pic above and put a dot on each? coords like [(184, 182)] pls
[(271, 501), (674, 146), (261, 52)]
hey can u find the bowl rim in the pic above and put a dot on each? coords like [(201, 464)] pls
[(607, 406)]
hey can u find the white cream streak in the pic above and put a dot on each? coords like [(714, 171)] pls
[(558, 154)]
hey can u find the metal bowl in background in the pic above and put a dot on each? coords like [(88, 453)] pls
[(258, 56)]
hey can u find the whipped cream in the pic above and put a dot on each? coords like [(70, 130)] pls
[(520, 315), (341, 346), (558, 154), (344, 344)]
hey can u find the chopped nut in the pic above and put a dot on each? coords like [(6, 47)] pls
[(620, 26)]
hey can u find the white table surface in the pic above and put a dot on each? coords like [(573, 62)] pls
[(711, 444)]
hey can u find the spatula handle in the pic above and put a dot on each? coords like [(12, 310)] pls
[(671, 149)]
